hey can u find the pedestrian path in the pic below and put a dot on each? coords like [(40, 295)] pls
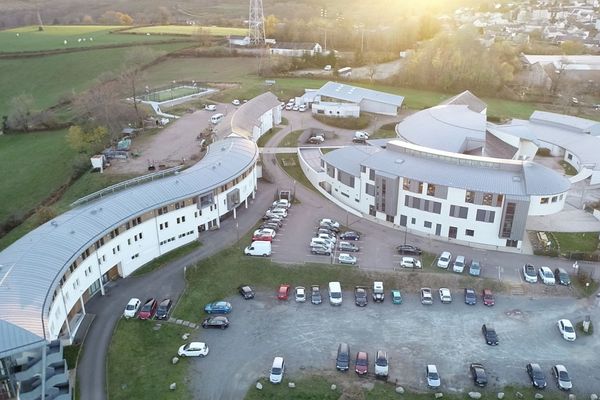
[(183, 323)]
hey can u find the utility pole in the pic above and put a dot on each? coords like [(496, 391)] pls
[(256, 23)]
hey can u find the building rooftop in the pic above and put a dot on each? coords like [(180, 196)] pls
[(295, 45), (32, 266), (468, 99), (357, 94), (567, 122), (576, 62), (247, 116), (454, 128)]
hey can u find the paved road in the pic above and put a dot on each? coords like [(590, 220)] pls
[(413, 335)]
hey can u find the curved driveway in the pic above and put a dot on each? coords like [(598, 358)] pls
[(169, 282)]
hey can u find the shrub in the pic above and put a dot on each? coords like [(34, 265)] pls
[(543, 152)]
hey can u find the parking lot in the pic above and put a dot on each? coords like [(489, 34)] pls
[(413, 335)]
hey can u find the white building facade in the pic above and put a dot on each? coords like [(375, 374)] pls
[(474, 200)]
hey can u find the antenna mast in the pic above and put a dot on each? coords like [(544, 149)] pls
[(256, 24)]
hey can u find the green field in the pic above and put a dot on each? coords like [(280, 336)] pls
[(34, 166), (188, 30), (53, 37), (170, 94), (50, 77)]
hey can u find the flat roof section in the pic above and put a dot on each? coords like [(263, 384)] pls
[(247, 116), (355, 94)]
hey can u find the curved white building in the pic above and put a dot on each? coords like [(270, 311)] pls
[(257, 116), (472, 199), (47, 276)]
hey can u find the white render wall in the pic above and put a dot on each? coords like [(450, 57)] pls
[(130, 254)]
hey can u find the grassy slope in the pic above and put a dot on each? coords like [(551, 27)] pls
[(34, 166), (53, 37), (48, 78), (189, 30)]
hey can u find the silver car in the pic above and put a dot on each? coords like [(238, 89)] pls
[(563, 380)]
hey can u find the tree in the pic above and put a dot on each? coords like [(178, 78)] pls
[(571, 47), (429, 27), (87, 141), (87, 20), (271, 22), (20, 112), (164, 15)]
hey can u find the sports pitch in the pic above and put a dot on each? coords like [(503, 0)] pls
[(171, 94)]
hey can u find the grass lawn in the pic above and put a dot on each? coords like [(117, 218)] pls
[(569, 169), (140, 361), (316, 387), (291, 165), (383, 134), (45, 78), (291, 139), (189, 30), (167, 258), (53, 37), (577, 242), (34, 166), (262, 141)]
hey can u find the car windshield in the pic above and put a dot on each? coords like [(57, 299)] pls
[(130, 307), (382, 362), (146, 307), (276, 371), (433, 376), (443, 258), (361, 361), (537, 374), (563, 376), (569, 329), (336, 295)]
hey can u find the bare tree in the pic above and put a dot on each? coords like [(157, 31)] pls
[(20, 112)]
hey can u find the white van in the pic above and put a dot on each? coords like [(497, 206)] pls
[(335, 294), (215, 119), (258, 248), (277, 370)]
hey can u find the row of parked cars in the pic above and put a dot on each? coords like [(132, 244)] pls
[(459, 264), (328, 237), (149, 310), (267, 231), (559, 277)]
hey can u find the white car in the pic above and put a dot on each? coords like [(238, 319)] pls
[(433, 378), (193, 349), (444, 260), (562, 377), (445, 296), (329, 222), (529, 273), (426, 297), (345, 258), (410, 262), (266, 232), (566, 330), (381, 364), (459, 264), (378, 292), (131, 308), (300, 294), (283, 203), (236, 102), (277, 370), (546, 276), (289, 106), (302, 107), (210, 107), (327, 68), (295, 107)]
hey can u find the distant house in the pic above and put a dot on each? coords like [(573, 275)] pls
[(540, 70), (338, 99), (293, 49), (237, 40)]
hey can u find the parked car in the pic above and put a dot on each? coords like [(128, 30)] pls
[(328, 231), (295, 107), (410, 262), (426, 297), (444, 260), (162, 311), (566, 329), (360, 296), (445, 296), (327, 236), (302, 107), (529, 273), (277, 370), (378, 293), (433, 378), (322, 250), (408, 249), (562, 277), (235, 102), (537, 376), (350, 235), (281, 203), (317, 139), (396, 296), (563, 380), (470, 297), (381, 364), (331, 223), (488, 297), (459, 264), (264, 235), (300, 294), (546, 276), (284, 291), (131, 308), (246, 291), (210, 107), (219, 322), (148, 309), (361, 366), (475, 268), (315, 294), (289, 106), (193, 349), (269, 225), (347, 246), (345, 258), (478, 374), (342, 361), (489, 333), (218, 307)]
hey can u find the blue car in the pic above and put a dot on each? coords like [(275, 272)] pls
[(218, 307)]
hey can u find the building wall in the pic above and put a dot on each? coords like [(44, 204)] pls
[(546, 205), (336, 109), (157, 234), (378, 108)]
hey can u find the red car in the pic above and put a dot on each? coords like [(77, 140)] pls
[(488, 297), (148, 309), (284, 291), (362, 363)]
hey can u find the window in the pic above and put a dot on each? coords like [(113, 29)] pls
[(470, 232), (554, 199), (544, 200), (560, 197), (427, 224), (370, 189), (363, 169), (459, 212), (420, 187), (485, 216), (406, 184), (509, 216), (499, 199), (372, 210), (389, 218), (129, 241), (403, 220), (413, 221), (469, 197), (570, 156), (127, 225), (140, 235), (487, 199), (430, 189)]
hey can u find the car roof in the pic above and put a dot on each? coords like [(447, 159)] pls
[(446, 253), (133, 300), (431, 368), (165, 302), (277, 361)]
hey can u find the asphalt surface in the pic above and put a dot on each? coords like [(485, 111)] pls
[(448, 335), (292, 246)]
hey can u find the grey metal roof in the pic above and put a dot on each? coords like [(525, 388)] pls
[(567, 122), (356, 94), (349, 160), (14, 339), (248, 115), (33, 265), (576, 62), (294, 45), (517, 129), (483, 174), (468, 99), (444, 127)]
